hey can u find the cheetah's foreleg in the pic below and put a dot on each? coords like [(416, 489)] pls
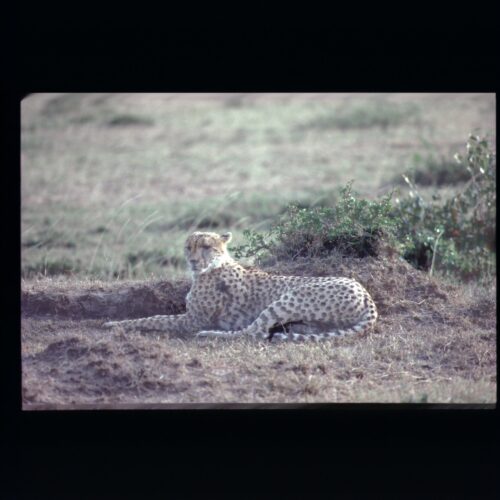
[(179, 323)]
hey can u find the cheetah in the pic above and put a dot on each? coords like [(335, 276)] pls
[(227, 300)]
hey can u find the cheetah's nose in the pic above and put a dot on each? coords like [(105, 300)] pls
[(192, 263)]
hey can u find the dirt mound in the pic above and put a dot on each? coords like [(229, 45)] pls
[(395, 285), (127, 300)]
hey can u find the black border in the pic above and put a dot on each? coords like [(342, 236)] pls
[(423, 50)]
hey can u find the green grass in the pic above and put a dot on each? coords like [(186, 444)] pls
[(135, 240), (118, 201)]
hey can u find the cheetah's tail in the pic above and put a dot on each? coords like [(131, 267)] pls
[(363, 325)]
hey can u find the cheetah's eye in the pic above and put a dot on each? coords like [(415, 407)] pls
[(205, 247)]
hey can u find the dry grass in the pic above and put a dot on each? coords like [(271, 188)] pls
[(433, 343)]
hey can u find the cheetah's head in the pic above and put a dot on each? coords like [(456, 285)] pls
[(205, 251)]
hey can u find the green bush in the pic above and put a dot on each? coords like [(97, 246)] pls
[(353, 227), (457, 235)]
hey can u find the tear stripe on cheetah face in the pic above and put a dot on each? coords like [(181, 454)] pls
[(227, 300)]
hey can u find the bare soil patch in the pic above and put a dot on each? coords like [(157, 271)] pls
[(125, 300), (433, 343)]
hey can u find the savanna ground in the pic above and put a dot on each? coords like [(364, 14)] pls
[(113, 183)]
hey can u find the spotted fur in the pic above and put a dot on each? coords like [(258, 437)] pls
[(226, 300)]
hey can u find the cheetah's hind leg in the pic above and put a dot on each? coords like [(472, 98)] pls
[(260, 328)]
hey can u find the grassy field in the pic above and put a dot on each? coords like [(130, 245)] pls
[(113, 183)]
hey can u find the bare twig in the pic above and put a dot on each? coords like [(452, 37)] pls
[(431, 270)]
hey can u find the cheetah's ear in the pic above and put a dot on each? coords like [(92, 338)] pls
[(226, 237)]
